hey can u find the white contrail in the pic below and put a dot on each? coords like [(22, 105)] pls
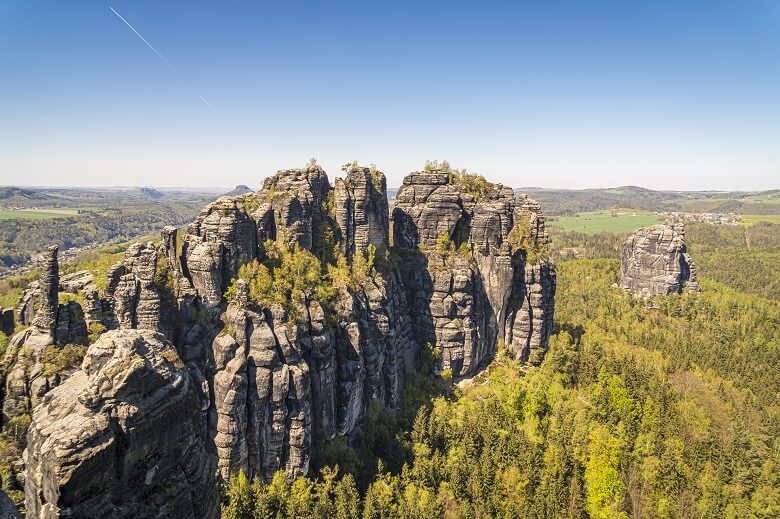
[(155, 51), (207, 103), (144, 40)]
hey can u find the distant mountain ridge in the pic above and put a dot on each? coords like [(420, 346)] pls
[(570, 201)]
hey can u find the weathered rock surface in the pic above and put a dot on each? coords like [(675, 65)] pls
[(123, 437), (258, 386), (53, 325), (361, 209), (7, 320), (655, 261), (475, 264)]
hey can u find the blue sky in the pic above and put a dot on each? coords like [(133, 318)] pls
[(675, 95)]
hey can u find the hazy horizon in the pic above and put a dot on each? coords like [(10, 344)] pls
[(564, 95), (390, 186)]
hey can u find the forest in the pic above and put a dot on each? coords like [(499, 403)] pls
[(658, 408)]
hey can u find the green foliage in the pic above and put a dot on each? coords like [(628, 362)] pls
[(357, 274), (66, 297), (3, 344), (665, 409), (57, 359), (239, 501), (329, 497), (251, 203), (329, 204), (443, 243), (114, 220), (12, 287), (349, 166), (290, 277), (474, 184), (435, 166), (520, 238), (95, 330)]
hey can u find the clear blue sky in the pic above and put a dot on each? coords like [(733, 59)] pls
[(678, 94)]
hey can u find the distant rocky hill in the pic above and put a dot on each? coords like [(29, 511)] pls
[(240, 189), (570, 201), (17, 197), (151, 193), (270, 324)]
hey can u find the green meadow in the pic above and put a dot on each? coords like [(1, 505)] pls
[(36, 214), (750, 219), (611, 220)]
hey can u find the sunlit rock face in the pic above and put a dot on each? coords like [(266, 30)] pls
[(122, 437), (655, 261), (492, 282)]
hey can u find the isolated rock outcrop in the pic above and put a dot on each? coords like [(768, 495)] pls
[(54, 325), (655, 261), (45, 320), (123, 437)]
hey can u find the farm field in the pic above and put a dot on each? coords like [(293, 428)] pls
[(615, 220), (36, 214), (750, 219)]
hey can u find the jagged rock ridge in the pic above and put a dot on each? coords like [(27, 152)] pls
[(655, 261), (270, 378)]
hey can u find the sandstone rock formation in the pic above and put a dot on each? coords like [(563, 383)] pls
[(7, 321), (261, 380), (475, 262), (123, 437), (655, 261), (53, 325)]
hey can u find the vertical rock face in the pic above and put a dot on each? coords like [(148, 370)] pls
[(121, 438), (360, 202), (46, 317), (131, 289), (53, 326), (476, 266), (655, 261), (221, 240), (7, 320)]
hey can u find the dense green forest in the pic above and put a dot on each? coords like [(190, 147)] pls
[(743, 257), (19, 238), (573, 201), (666, 408)]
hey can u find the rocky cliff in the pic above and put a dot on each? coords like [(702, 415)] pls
[(122, 437), (290, 310), (475, 263), (655, 260)]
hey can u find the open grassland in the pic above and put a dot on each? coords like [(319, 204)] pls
[(752, 219), (615, 220), (36, 214)]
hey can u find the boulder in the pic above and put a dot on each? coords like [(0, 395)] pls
[(122, 437)]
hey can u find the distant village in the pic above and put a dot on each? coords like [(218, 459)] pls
[(709, 218), (37, 259)]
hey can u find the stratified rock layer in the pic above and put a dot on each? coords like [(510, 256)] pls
[(474, 261), (655, 261), (123, 437)]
